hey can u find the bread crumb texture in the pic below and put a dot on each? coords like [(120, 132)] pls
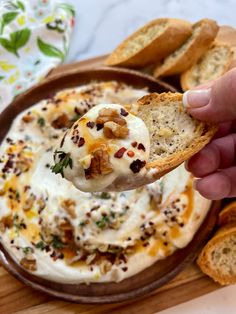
[(218, 258), (175, 135)]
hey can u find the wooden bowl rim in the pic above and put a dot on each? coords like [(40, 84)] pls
[(21, 103)]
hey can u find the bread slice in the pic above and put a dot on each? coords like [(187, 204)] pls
[(226, 35), (174, 135), (228, 215), (150, 43), (212, 65), (204, 32), (218, 257)]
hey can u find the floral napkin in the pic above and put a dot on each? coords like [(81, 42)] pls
[(34, 38)]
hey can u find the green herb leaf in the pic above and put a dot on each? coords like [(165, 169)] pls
[(103, 222), (27, 250), (64, 161), (41, 122), (69, 8), (6, 19), (2, 77), (82, 224), (41, 245), (56, 242), (49, 50)]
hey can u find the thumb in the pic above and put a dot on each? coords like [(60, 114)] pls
[(215, 102)]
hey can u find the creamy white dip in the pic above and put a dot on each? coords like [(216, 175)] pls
[(99, 157), (60, 233)]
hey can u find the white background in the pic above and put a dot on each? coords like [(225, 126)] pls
[(101, 25)]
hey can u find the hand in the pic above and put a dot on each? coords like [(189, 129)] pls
[(215, 164)]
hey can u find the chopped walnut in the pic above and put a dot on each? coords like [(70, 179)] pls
[(2, 227), (115, 125), (6, 222), (105, 267), (114, 130), (90, 258), (28, 118), (100, 164), (29, 202), (108, 114), (103, 247), (29, 262), (69, 206), (61, 122), (65, 225), (41, 203)]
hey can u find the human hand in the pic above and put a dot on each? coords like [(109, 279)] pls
[(215, 164)]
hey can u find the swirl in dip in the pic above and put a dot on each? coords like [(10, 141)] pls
[(62, 234), (107, 144)]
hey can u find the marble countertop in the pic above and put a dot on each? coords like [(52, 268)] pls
[(101, 25)]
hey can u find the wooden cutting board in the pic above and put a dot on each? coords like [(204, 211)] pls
[(18, 298)]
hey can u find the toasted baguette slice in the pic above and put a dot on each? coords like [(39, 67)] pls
[(218, 257), (150, 43), (174, 135), (228, 214), (212, 65), (204, 32), (226, 35)]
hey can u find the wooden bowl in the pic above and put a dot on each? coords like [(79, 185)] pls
[(149, 279)]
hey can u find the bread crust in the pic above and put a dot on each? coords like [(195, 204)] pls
[(227, 35), (175, 33), (185, 77), (207, 129), (201, 43), (203, 260), (228, 214)]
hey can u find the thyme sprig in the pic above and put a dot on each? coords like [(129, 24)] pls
[(64, 161)]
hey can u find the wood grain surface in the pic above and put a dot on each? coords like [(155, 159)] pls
[(18, 298)]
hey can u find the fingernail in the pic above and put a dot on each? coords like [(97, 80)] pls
[(196, 98)]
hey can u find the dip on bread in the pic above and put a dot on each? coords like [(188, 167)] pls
[(107, 143), (59, 233)]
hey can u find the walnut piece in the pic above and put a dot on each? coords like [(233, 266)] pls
[(29, 203), (114, 130), (6, 222), (61, 122), (69, 206), (105, 267), (115, 125), (29, 263), (108, 114), (100, 164)]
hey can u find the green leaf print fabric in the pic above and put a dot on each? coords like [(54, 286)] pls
[(34, 38)]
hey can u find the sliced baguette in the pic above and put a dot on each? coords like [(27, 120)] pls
[(212, 65), (150, 43), (226, 35), (204, 32), (218, 257), (175, 136), (228, 214)]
